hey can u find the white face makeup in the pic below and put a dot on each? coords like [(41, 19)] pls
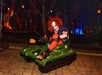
[(53, 24), (55, 27)]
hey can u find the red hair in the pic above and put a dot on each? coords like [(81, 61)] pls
[(58, 21)]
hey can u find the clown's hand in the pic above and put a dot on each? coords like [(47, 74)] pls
[(64, 35)]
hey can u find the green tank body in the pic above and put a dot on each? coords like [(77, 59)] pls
[(60, 56)]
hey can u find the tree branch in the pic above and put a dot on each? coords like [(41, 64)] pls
[(35, 8)]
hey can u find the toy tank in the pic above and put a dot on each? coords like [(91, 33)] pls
[(60, 56)]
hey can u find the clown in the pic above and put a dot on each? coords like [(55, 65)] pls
[(60, 35)]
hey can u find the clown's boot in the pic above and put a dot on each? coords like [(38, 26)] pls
[(44, 54)]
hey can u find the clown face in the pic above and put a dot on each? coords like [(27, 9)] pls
[(54, 26)]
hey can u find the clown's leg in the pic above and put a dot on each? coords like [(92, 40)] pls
[(50, 48)]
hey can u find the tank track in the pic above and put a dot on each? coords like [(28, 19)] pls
[(57, 63), (28, 60)]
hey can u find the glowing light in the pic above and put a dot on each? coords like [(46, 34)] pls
[(51, 11), (7, 25), (98, 11), (8, 8), (32, 41), (79, 30), (22, 6)]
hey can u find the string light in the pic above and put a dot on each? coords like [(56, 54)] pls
[(22, 6), (98, 11)]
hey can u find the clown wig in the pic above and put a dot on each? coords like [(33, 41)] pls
[(58, 21)]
